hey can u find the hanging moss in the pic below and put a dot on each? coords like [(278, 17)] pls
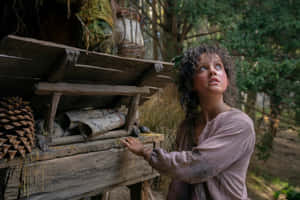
[(96, 18)]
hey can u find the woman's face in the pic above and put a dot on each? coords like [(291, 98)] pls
[(210, 77)]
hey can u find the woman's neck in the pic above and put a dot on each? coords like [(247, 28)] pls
[(212, 106)]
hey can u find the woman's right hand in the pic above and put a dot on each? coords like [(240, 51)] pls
[(134, 145)]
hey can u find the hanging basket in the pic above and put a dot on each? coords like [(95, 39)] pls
[(128, 35)]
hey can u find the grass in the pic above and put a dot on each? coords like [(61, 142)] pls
[(162, 114), (262, 186)]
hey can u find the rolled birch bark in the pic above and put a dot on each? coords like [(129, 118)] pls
[(72, 119), (57, 130), (92, 126)]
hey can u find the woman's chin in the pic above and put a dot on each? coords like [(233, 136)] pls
[(216, 89)]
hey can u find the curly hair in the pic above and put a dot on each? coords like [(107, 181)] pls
[(188, 63)]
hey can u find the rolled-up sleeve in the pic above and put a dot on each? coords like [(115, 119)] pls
[(233, 138)]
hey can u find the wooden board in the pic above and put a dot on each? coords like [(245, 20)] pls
[(85, 173), (78, 170), (25, 62), (69, 150)]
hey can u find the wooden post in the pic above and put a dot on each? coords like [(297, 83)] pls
[(68, 60), (52, 112), (105, 196), (132, 110), (141, 191), (136, 191)]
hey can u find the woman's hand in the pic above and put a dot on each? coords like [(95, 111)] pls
[(134, 145)]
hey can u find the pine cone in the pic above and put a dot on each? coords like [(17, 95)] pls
[(17, 133)]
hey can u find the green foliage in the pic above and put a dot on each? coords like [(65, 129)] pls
[(266, 42), (264, 146), (289, 191)]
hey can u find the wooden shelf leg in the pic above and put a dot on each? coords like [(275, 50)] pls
[(136, 191), (141, 191), (52, 112), (132, 111)]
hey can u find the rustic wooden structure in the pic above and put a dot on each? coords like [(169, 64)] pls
[(58, 78)]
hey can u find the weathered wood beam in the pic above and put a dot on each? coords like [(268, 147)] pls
[(72, 177), (79, 138), (45, 88), (149, 73), (144, 77), (131, 116), (7, 58), (80, 148), (68, 60), (98, 68)]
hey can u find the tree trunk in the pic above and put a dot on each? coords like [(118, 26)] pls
[(251, 102), (154, 30), (172, 45), (275, 113)]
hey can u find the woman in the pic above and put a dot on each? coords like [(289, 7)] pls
[(214, 144)]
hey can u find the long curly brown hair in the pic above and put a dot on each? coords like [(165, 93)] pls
[(186, 70)]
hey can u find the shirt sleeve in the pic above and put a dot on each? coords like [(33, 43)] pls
[(233, 138)]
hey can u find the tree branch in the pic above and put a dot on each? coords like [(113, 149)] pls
[(185, 31), (154, 38), (156, 16), (203, 34)]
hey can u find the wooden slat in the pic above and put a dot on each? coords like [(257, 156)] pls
[(79, 138), (88, 89), (29, 60), (15, 45), (125, 183), (73, 149), (66, 178)]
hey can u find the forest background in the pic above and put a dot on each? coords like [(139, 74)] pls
[(262, 36)]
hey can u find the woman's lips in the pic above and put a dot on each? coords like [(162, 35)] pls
[(213, 81)]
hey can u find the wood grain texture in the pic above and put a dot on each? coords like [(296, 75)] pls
[(79, 138), (76, 171), (27, 61), (132, 112), (49, 125), (44, 88), (80, 148), (84, 173)]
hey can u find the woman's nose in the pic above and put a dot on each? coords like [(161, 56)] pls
[(212, 70)]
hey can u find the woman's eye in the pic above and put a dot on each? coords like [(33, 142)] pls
[(218, 67), (201, 69)]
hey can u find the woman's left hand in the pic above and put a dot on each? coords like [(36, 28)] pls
[(134, 145)]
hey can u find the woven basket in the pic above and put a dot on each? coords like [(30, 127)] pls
[(130, 39)]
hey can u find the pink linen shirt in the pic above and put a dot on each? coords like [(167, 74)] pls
[(216, 167)]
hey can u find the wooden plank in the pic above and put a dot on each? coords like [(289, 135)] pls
[(69, 150), (125, 183), (19, 46), (39, 51), (13, 184), (44, 88), (68, 60), (79, 138), (85, 172)]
